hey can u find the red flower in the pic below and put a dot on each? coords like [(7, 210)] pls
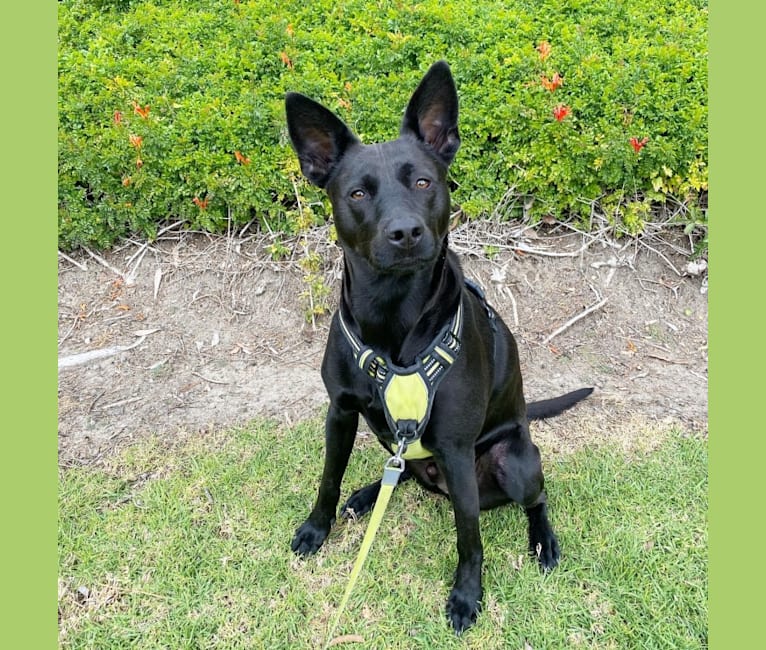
[(555, 82), (561, 111), (142, 112), (638, 144), (242, 160), (544, 49), (200, 203)]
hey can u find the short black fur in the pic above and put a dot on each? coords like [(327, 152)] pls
[(401, 284)]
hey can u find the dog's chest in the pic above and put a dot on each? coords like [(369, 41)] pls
[(371, 409)]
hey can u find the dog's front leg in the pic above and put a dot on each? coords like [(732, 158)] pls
[(464, 600), (340, 429)]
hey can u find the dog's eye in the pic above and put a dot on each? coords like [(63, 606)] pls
[(358, 195), (422, 183)]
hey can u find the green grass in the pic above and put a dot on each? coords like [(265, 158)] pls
[(189, 548)]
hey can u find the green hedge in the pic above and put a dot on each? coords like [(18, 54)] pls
[(173, 109)]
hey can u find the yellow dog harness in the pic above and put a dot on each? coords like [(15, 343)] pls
[(408, 392)]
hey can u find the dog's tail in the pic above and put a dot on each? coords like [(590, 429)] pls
[(547, 408)]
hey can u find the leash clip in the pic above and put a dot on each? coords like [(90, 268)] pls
[(395, 465)]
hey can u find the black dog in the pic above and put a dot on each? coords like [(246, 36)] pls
[(406, 309)]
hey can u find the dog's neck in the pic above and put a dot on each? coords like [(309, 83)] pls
[(398, 314)]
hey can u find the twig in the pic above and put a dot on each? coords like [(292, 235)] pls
[(77, 264), (75, 321), (103, 262), (98, 397), (667, 261), (122, 402), (212, 381), (157, 280), (142, 248), (130, 278), (573, 320), (92, 355), (666, 360), (536, 251), (513, 304)]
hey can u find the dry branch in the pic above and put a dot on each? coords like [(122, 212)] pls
[(573, 320)]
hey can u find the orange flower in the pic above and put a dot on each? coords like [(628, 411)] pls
[(289, 30), (638, 144), (200, 203), (544, 49), (139, 163), (286, 60), (561, 111), (142, 112), (344, 103), (555, 82), (117, 117), (136, 141), (126, 181), (242, 160)]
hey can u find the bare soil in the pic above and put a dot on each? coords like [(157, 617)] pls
[(218, 336)]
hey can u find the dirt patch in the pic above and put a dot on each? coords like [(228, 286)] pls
[(193, 333)]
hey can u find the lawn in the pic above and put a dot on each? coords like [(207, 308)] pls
[(187, 546)]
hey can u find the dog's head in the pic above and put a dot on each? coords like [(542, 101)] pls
[(390, 200)]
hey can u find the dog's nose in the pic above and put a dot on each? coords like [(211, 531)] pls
[(404, 234)]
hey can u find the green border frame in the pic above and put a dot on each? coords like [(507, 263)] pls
[(28, 478), (28, 271), (736, 332)]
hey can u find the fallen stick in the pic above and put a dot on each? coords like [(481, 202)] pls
[(76, 263), (573, 320), (103, 262), (209, 380), (122, 402), (102, 353)]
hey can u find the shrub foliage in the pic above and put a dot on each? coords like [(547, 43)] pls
[(172, 109)]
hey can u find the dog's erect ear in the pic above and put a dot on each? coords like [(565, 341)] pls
[(432, 112), (318, 137)]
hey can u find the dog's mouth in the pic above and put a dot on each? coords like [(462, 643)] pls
[(403, 263)]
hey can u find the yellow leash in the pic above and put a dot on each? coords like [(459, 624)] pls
[(391, 473)]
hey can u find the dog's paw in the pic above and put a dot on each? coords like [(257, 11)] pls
[(542, 540), (308, 538), (360, 502), (462, 610), (546, 550)]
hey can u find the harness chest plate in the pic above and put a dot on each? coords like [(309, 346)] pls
[(407, 393)]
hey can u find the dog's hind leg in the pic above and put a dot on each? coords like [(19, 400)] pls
[(519, 473)]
